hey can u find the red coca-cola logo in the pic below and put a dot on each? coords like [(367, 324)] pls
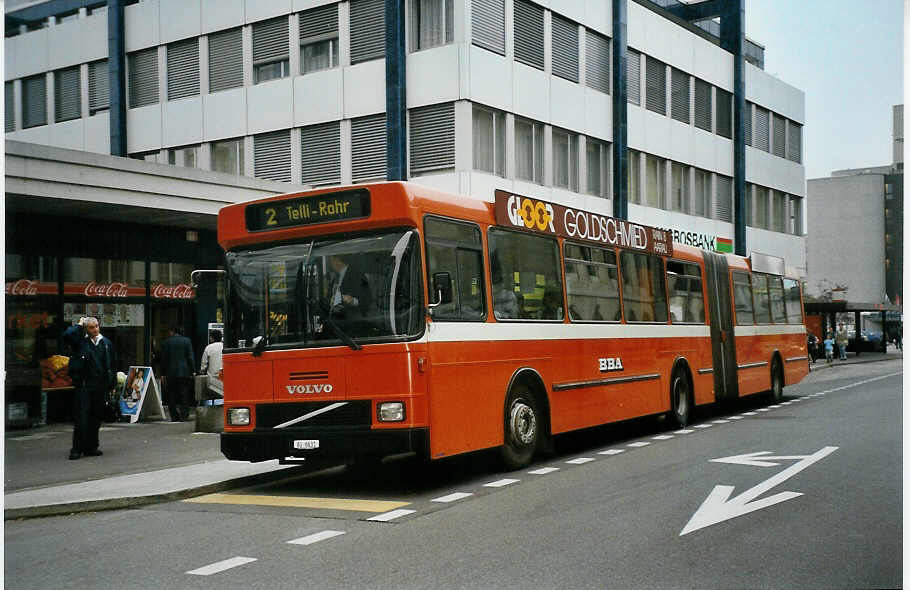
[(94, 289), (22, 287), (181, 291)]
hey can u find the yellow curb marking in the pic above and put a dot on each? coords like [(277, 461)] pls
[(300, 502)]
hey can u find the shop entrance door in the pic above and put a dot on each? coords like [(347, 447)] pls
[(164, 317)]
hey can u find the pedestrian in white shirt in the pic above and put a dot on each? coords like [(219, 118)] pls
[(211, 364)]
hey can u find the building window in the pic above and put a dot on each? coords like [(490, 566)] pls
[(597, 159), (529, 150), (528, 31), (597, 62), (9, 107), (367, 30), (432, 138), (564, 37), (702, 105), (747, 123), (320, 151), (780, 215), (34, 101), (633, 76), (319, 39), (656, 89), (185, 157), (489, 140), (761, 207), (724, 111), (723, 207), (779, 130), (761, 136), (565, 159), (227, 156), (749, 205), (680, 190), (98, 87), (368, 148), (272, 155), (67, 94), (794, 145), (225, 60), (634, 177), (270, 50), (796, 216), (656, 178), (183, 69), (488, 25), (679, 99), (143, 77), (431, 23), (701, 203)]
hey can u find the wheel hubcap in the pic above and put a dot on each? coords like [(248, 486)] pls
[(523, 423)]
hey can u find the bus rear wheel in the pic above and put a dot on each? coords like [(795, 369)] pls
[(776, 393), (522, 428), (680, 399)]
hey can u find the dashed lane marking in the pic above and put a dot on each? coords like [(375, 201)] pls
[(220, 566), (388, 516), (452, 497), (300, 502), (702, 426), (638, 444), (662, 437), (500, 483), (315, 537), (544, 470), (579, 461), (684, 431), (611, 452), (720, 421)]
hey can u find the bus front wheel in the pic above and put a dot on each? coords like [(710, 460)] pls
[(776, 393), (680, 399), (522, 428)]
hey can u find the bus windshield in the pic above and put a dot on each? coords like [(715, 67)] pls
[(326, 292)]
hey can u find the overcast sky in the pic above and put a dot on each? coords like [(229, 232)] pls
[(847, 57)]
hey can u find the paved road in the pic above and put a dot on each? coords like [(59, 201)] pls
[(634, 506)]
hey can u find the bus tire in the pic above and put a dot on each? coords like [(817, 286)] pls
[(776, 393), (680, 398), (522, 426)]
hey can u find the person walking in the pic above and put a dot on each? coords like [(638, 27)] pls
[(92, 368), (211, 366), (829, 348), (178, 364), (842, 340)]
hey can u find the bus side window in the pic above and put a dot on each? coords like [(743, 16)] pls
[(526, 276), (687, 304), (742, 298), (455, 248), (792, 301), (644, 295), (776, 294), (760, 296)]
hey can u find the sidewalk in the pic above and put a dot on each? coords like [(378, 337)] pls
[(143, 463), (147, 463)]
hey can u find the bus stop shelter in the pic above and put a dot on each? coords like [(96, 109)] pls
[(826, 312)]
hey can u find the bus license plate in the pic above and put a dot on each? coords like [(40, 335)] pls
[(306, 444)]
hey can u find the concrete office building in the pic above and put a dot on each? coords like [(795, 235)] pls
[(468, 96)]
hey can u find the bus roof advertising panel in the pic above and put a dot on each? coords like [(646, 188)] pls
[(542, 217)]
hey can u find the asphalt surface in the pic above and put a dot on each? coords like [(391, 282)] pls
[(605, 511)]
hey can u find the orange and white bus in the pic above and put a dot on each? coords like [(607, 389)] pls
[(388, 318)]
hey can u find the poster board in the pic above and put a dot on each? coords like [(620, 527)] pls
[(140, 398)]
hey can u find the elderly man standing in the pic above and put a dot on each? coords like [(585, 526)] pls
[(92, 368)]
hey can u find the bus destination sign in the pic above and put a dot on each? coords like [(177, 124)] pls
[(539, 216), (324, 208)]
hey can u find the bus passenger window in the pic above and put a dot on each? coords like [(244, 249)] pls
[(526, 277), (644, 295), (760, 296), (455, 248), (687, 303), (793, 304), (742, 298), (592, 284), (776, 294)]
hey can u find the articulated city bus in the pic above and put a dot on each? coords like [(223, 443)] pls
[(389, 318)]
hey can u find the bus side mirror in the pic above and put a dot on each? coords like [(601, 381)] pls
[(442, 288)]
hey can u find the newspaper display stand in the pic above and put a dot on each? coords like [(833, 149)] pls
[(141, 397)]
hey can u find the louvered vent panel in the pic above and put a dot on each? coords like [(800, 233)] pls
[(633, 76), (780, 136), (656, 80), (679, 99), (98, 86), (368, 148), (702, 105), (183, 69), (225, 60), (565, 48), (761, 138), (319, 22), (143, 77), (529, 34), (723, 206), (367, 30), (34, 101), (795, 145), (747, 122), (270, 40), (272, 156), (724, 110), (488, 25), (597, 61), (320, 154), (432, 131), (9, 113), (67, 94)]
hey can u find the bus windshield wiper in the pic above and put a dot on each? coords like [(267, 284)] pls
[(259, 347), (334, 325)]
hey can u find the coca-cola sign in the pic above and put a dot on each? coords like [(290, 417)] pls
[(181, 291), (30, 288), (107, 290)]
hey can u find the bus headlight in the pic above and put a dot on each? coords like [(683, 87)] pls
[(391, 412), (239, 416)]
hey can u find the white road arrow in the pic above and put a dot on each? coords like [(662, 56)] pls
[(719, 506), (752, 459)]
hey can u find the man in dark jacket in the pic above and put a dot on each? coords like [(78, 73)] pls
[(178, 364), (93, 370)]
